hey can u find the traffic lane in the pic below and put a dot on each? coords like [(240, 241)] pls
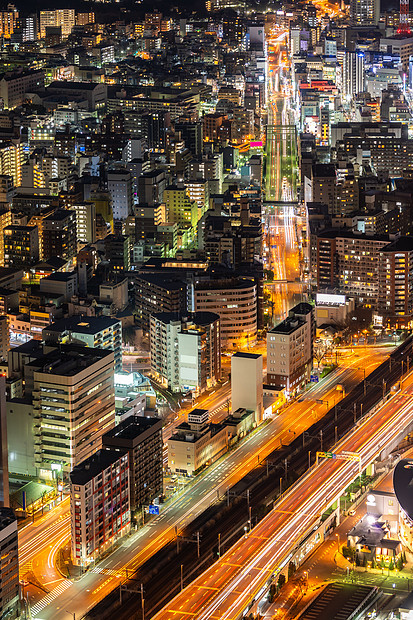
[(298, 413), (330, 474)]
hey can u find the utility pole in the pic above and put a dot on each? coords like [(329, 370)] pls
[(355, 412), (197, 544), (182, 577), (321, 440), (143, 603), (309, 459), (219, 545)]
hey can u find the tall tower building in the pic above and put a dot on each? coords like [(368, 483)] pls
[(364, 12), (353, 74)]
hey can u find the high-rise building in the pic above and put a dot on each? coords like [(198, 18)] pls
[(69, 403), (186, 350), (353, 74), (8, 22), (117, 252), (290, 350), (59, 235), (11, 157), (156, 293), (21, 246), (85, 221), (151, 187), (4, 467), (63, 18), (395, 276), (121, 191), (142, 438), (95, 332), (247, 383), (9, 565), (235, 301), (364, 12), (99, 504)]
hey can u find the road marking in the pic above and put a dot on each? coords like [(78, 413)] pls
[(45, 601)]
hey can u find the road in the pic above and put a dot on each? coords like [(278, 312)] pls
[(79, 596), (230, 585)]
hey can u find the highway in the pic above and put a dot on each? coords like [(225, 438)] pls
[(79, 596), (231, 584)]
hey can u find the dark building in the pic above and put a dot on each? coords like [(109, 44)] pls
[(59, 235), (4, 465), (117, 252), (142, 438), (156, 293), (21, 246), (9, 565)]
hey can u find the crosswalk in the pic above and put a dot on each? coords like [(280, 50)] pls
[(45, 601), (26, 568), (106, 571)]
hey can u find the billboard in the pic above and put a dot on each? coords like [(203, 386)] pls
[(325, 298)]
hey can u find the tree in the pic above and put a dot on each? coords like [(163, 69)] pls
[(373, 562), (399, 563), (364, 561), (271, 592), (291, 569), (391, 565), (281, 581)]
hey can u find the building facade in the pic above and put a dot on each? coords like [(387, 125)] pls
[(186, 350), (9, 565), (99, 504), (142, 438)]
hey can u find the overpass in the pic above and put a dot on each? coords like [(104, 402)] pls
[(228, 589)]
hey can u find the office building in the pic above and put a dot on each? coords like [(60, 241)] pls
[(235, 301), (180, 208), (141, 437), (95, 332), (290, 349), (21, 246), (9, 565), (68, 404), (247, 384), (186, 350), (99, 504), (353, 74), (59, 235)]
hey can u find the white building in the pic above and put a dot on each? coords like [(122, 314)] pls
[(186, 351), (85, 222), (353, 74), (290, 349), (121, 191), (99, 504), (247, 383), (100, 332)]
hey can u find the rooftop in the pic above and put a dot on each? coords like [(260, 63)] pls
[(82, 324), (94, 465), (133, 427), (248, 356)]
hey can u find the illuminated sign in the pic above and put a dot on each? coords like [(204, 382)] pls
[(324, 298)]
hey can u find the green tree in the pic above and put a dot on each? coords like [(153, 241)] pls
[(281, 581), (271, 592), (382, 563), (391, 565), (399, 563), (373, 563)]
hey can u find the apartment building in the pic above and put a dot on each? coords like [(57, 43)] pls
[(100, 332), (59, 235), (68, 404), (142, 438), (395, 283), (235, 301), (63, 18), (9, 565), (290, 349), (99, 504), (85, 222), (186, 350), (15, 84), (21, 246), (156, 293), (350, 262)]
